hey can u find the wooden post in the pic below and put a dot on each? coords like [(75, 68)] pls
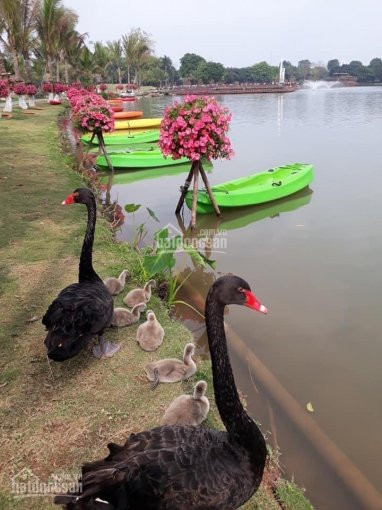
[(194, 194), (185, 189), (209, 191), (103, 148)]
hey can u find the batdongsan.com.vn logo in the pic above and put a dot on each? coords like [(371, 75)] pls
[(171, 239), (26, 484)]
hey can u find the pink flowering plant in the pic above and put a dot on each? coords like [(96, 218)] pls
[(20, 89), (47, 87), (31, 89), (4, 89), (196, 128), (91, 112)]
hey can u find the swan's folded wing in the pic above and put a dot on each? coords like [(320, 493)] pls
[(77, 310), (169, 463)]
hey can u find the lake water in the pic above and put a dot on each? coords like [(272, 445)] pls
[(314, 260)]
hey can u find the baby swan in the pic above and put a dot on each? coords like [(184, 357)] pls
[(124, 317), (116, 285), (188, 409), (136, 296), (171, 370), (150, 334)]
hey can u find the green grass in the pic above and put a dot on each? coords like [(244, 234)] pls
[(54, 421)]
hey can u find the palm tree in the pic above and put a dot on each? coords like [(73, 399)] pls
[(74, 42), (116, 56), (168, 68), (137, 45), (51, 18), (101, 60), (17, 19), (85, 65)]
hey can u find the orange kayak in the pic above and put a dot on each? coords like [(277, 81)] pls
[(128, 115)]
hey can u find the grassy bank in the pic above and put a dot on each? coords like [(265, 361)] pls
[(53, 421)]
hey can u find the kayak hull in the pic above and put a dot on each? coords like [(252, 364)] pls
[(255, 189), (137, 123), (139, 159), (125, 139), (128, 115)]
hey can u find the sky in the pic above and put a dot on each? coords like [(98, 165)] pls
[(239, 33)]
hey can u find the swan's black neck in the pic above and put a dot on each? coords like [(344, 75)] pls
[(240, 427), (86, 272)]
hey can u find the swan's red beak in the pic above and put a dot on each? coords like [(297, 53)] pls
[(252, 302), (69, 199)]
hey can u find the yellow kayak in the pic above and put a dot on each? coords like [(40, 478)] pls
[(137, 123)]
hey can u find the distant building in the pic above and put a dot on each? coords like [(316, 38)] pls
[(346, 79)]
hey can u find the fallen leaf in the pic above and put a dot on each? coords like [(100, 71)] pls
[(309, 407)]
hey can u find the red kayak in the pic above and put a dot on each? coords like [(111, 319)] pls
[(116, 108), (54, 102)]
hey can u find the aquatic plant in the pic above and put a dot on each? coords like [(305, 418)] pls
[(196, 128)]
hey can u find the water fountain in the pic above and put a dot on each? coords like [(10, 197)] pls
[(319, 84)]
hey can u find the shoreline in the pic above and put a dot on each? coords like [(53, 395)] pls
[(88, 403)]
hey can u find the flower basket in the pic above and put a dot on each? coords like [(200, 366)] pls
[(20, 89), (6, 93), (48, 88), (31, 91), (196, 128)]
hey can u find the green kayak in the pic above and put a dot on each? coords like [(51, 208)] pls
[(139, 159), (125, 139), (256, 189)]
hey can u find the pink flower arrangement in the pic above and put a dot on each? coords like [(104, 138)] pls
[(58, 88), (196, 128), (103, 86), (4, 89), (31, 89), (20, 89), (119, 86), (75, 84), (47, 87), (91, 112)]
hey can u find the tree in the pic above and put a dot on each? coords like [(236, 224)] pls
[(153, 72), (101, 56), (376, 67), (264, 73), (116, 56), (304, 67), (51, 17), (333, 66), (137, 46), (318, 73), (188, 65), (17, 19), (209, 72), (168, 68)]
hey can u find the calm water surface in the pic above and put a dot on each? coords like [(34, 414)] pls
[(314, 260)]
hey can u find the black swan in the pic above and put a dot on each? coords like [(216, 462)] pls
[(84, 309), (177, 467)]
